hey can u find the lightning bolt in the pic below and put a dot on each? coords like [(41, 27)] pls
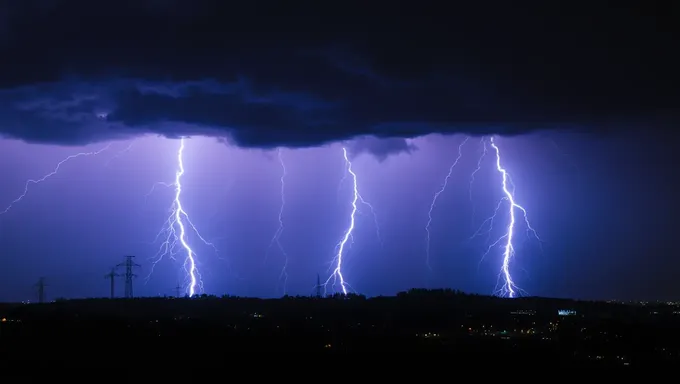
[(337, 275), (472, 175), (56, 169), (119, 154), (506, 286), (364, 202), (276, 239), (434, 202), (175, 232)]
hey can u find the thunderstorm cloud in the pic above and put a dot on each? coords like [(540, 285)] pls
[(380, 148), (305, 73)]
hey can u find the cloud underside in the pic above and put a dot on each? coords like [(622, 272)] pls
[(283, 78)]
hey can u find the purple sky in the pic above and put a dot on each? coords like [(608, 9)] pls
[(76, 225)]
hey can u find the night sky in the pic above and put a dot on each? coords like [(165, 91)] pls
[(582, 104)]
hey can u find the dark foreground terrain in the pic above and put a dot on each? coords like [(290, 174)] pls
[(432, 330)]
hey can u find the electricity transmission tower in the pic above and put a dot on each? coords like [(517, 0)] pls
[(129, 264), (178, 290), (112, 277), (41, 289)]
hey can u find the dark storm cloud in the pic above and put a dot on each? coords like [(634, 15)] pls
[(380, 148), (304, 73)]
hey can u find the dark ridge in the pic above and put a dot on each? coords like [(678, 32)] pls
[(463, 327)]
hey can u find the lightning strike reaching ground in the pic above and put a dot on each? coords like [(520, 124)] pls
[(175, 232), (47, 176), (276, 239), (507, 286), (434, 202), (337, 277)]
